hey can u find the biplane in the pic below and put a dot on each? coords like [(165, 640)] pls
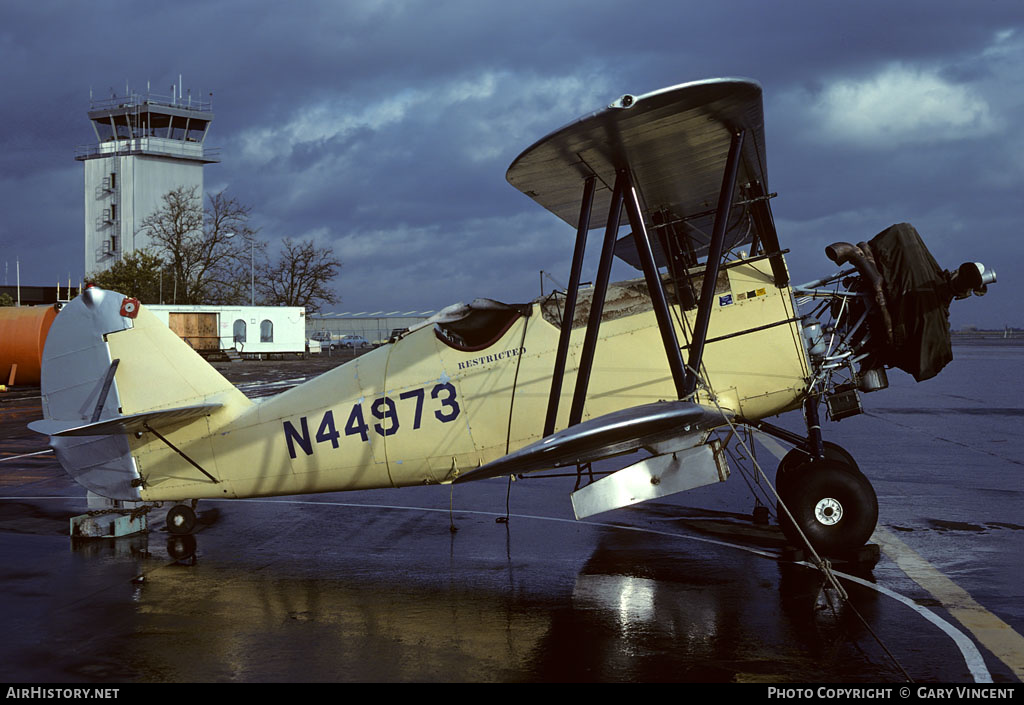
[(713, 336)]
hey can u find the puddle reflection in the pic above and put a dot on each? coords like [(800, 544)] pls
[(637, 610)]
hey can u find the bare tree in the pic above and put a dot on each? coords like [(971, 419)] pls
[(207, 252), (301, 276)]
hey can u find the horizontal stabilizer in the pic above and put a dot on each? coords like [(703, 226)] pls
[(123, 425), (619, 432)]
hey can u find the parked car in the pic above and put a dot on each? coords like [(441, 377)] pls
[(354, 341)]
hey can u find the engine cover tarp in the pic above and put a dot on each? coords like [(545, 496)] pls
[(918, 295)]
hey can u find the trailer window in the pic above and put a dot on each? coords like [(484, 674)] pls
[(267, 331), (239, 331)]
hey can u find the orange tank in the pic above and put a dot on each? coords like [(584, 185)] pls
[(23, 332)]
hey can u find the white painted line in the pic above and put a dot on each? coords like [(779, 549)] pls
[(52, 496), (26, 455), (993, 633), (972, 657), (989, 630)]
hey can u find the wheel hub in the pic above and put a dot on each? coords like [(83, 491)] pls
[(828, 511)]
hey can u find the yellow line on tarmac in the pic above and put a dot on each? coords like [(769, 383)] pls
[(993, 633)]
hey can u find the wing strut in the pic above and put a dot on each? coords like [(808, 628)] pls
[(624, 194), (707, 292), (657, 289), (604, 271), (570, 304), (765, 225)]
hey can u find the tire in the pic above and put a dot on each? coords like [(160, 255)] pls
[(181, 519), (835, 508), (796, 458)]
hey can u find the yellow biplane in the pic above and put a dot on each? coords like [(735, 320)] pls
[(712, 336)]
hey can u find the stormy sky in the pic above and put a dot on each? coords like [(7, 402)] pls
[(384, 129)]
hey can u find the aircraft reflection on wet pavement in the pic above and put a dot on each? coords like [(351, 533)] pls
[(637, 608)]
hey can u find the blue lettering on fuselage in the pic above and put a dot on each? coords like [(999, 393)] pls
[(292, 436), (383, 409)]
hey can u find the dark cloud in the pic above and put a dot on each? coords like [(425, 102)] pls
[(385, 128)]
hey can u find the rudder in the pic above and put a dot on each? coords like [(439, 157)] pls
[(110, 368)]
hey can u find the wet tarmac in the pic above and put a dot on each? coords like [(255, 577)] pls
[(375, 586)]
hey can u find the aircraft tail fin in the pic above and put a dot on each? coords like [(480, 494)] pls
[(112, 369)]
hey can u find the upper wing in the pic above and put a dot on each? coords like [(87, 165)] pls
[(675, 141)]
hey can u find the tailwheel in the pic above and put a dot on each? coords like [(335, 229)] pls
[(834, 505), (181, 519)]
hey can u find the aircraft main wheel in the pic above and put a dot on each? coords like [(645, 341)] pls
[(181, 519), (835, 508), (796, 458)]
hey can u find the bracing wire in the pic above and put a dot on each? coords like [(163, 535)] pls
[(511, 407), (822, 564)]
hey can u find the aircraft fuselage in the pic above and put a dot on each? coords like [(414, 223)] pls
[(422, 409)]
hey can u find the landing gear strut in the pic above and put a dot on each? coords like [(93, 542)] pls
[(831, 500)]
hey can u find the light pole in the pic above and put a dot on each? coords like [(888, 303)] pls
[(252, 268), (252, 272)]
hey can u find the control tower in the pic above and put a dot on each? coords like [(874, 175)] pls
[(146, 145)]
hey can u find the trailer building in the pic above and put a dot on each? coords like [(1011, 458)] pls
[(252, 331)]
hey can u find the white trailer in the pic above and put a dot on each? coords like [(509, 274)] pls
[(252, 331)]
